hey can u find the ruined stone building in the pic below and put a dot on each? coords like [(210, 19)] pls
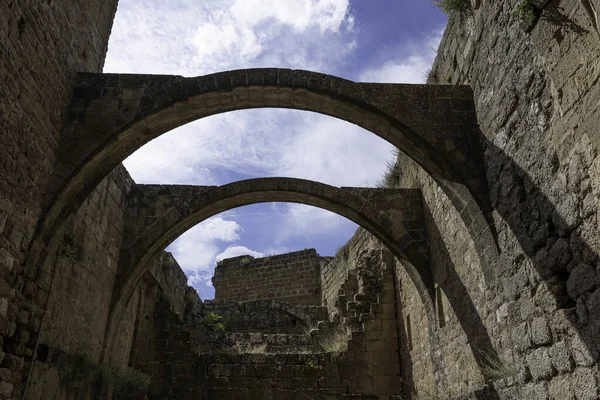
[(474, 275)]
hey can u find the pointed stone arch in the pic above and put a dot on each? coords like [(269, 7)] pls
[(158, 214)]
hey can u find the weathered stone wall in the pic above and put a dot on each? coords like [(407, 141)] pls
[(83, 277), (293, 278), (265, 315), (188, 358), (536, 96), (42, 46), (334, 272)]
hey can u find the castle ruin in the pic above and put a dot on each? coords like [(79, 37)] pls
[(475, 275)]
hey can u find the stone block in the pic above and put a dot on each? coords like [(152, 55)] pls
[(375, 345), (540, 333), (540, 364), (6, 389), (560, 388), (561, 357), (535, 391), (585, 383), (520, 337), (582, 279), (581, 353)]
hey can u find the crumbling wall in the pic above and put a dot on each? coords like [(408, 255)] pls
[(189, 357), (293, 278), (334, 273), (81, 290)]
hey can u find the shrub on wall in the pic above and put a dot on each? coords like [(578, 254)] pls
[(214, 320), (525, 12)]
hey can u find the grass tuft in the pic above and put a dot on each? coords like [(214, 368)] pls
[(247, 348), (335, 341), (390, 177), (495, 369)]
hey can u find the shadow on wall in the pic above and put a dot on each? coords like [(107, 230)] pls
[(562, 258), (467, 315), (458, 296), (406, 362)]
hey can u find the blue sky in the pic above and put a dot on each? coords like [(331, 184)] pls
[(361, 40)]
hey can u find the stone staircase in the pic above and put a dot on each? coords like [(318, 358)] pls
[(359, 301), (367, 292)]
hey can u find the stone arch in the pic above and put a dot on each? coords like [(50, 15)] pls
[(112, 115), (394, 216)]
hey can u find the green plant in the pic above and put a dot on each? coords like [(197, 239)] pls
[(494, 368), (452, 6), (310, 364), (525, 12), (219, 326), (214, 320)]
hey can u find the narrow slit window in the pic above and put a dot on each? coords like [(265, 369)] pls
[(409, 333), (439, 302)]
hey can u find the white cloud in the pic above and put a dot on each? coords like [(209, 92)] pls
[(305, 221), (334, 152), (235, 251), (187, 38), (300, 14), (411, 69), (196, 249), (263, 143)]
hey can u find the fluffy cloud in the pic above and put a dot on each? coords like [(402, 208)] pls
[(263, 143), (198, 249), (411, 69), (191, 38), (235, 251)]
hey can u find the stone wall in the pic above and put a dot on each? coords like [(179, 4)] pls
[(335, 272), (265, 315), (293, 278), (38, 62), (536, 90), (83, 276), (188, 357)]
